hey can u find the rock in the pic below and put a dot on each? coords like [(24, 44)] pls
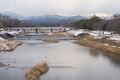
[(3, 36), (8, 35)]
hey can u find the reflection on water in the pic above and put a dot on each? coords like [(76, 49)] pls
[(94, 52), (115, 61), (67, 61)]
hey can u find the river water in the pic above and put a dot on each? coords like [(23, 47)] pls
[(67, 61)]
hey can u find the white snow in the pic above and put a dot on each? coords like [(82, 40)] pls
[(50, 33), (1, 39), (10, 32), (101, 32), (76, 32), (96, 33)]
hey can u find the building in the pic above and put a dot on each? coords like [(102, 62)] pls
[(3, 17), (1, 24)]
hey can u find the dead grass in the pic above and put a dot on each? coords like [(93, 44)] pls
[(104, 40), (99, 43), (7, 45), (37, 71), (51, 40), (99, 46)]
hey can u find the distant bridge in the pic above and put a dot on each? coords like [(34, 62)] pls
[(27, 29), (39, 37)]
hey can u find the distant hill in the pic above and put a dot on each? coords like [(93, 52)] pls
[(53, 19), (44, 18), (13, 15)]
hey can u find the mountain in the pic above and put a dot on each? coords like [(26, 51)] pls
[(13, 15), (44, 18), (52, 19)]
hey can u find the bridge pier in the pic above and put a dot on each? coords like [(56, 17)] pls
[(36, 30), (51, 30), (18, 30), (23, 30)]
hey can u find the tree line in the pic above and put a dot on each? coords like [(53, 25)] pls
[(5, 21), (96, 23)]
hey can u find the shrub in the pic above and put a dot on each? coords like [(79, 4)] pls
[(37, 71), (7, 45), (99, 46), (50, 40)]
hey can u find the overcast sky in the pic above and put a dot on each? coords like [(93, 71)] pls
[(71, 7)]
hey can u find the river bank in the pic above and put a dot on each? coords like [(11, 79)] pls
[(6, 44), (104, 44), (107, 42)]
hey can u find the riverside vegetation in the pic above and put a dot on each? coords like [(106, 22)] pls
[(37, 71), (50, 40), (7, 45), (103, 44)]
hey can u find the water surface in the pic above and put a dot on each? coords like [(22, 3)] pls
[(67, 61)]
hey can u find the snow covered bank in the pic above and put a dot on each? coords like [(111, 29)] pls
[(104, 43), (1, 39), (96, 33), (9, 34), (7, 45), (77, 32), (103, 47), (3, 34)]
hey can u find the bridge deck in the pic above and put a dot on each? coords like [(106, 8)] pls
[(39, 37)]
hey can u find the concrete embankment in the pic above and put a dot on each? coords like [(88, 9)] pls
[(104, 43)]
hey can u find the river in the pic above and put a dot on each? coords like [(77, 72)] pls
[(66, 59)]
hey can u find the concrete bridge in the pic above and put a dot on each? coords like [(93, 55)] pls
[(46, 29), (37, 33), (39, 37)]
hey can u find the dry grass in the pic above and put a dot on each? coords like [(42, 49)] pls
[(104, 40), (37, 71), (61, 34), (99, 46), (99, 43), (50, 40), (7, 45)]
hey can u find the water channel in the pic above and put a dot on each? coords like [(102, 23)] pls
[(66, 59)]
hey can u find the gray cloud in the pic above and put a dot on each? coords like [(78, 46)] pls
[(60, 6)]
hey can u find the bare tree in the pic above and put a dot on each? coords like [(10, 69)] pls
[(116, 16)]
